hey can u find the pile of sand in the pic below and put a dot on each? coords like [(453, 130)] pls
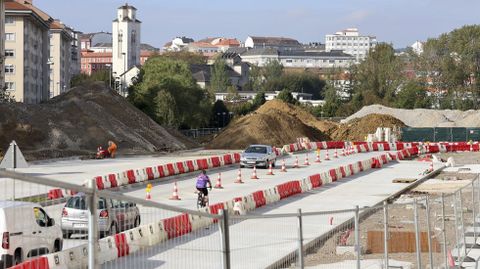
[(275, 123), (76, 122), (357, 129), (424, 117)]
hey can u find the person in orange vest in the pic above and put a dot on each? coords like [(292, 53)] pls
[(112, 149)]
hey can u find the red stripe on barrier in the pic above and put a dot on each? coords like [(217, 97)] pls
[(177, 226), (227, 159), (351, 169), (161, 172), (386, 146), (181, 169), (36, 263), (333, 174), (214, 209), (54, 194), (384, 159), (202, 163), (316, 180), (150, 175), (122, 245), (113, 180), (259, 199), (375, 146), (99, 181), (215, 161), (190, 166), (131, 176), (342, 171), (171, 169), (236, 157), (360, 165)]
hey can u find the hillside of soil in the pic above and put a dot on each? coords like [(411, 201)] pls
[(275, 123), (358, 128), (77, 122)]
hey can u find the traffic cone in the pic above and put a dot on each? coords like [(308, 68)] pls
[(335, 154), (284, 168), (239, 177), (306, 160), (343, 152), (254, 173), (149, 188), (451, 261), (175, 192), (219, 182), (431, 167), (327, 157), (148, 196), (317, 160), (295, 165), (270, 170)]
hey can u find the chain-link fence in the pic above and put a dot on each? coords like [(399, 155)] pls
[(70, 226), (439, 134)]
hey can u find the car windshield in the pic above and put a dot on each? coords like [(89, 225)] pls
[(255, 149), (78, 202)]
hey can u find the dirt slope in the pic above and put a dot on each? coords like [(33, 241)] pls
[(356, 129), (275, 123), (77, 122)]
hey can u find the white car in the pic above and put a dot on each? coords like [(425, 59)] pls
[(258, 155), (26, 231)]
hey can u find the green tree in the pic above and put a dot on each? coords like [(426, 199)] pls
[(167, 92), (303, 82), (219, 80), (259, 100), (272, 70), (220, 114), (332, 101), (286, 96), (412, 95), (100, 75), (184, 56), (255, 79)]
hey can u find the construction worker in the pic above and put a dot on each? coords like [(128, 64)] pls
[(112, 149)]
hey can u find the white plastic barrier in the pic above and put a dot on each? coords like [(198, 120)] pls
[(108, 251), (306, 185), (327, 177), (141, 175), (122, 179), (249, 202), (57, 260)]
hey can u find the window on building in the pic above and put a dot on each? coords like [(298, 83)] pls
[(10, 36), (9, 53), (9, 69), (10, 86), (288, 61), (9, 20)]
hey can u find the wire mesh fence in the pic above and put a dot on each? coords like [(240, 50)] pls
[(72, 226)]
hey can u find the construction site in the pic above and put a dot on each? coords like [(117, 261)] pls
[(348, 194)]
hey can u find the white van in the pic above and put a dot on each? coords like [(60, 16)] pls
[(26, 231)]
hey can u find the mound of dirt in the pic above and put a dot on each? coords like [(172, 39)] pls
[(77, 122), (357, 129), (275, 123)]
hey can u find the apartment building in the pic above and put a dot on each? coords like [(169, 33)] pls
[(61, 38), (2, 43), (27, 48), (351, 42)]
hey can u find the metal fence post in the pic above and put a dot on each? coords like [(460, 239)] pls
[(455, 212), (92, 226), (444, 230), (473, 212), (385, 232), (417, 234), (223, 225), (357, 235), (463, 223), (429, 232), (300, 240)]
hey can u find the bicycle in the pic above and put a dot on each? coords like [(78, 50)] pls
[(201, 200)]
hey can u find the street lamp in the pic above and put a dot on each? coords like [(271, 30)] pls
[(124, 71)]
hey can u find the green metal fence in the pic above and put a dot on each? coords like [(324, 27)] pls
[(440, 134)]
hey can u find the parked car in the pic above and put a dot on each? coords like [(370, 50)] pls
[(26, 231), (258, 155), (113, 216)]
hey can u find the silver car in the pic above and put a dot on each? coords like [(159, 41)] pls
[(113, 216), (258, 155)]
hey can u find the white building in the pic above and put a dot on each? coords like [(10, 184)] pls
[(350, 42), (417, 47), (126, 43), (2, 43), (280, 43), (298, 58)]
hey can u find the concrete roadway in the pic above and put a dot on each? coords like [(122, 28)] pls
[(256, 243)]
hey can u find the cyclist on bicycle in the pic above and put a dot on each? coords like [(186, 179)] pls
[(202, 182)]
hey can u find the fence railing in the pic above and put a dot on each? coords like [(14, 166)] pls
[(439, 134), (426, 231)]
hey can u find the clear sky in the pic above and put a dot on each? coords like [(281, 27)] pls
[(400, 22)]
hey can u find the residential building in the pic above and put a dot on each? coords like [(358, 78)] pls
[(177, 44), (2, 44), (202, 73), (417, 47), (298, 58), (126, 43), (76, 53), (90, 39), (304, 98), (205, 48), (279, 43), (61, 58), (27, 48), (351, 42)]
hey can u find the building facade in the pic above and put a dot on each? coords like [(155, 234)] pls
[(61, 38), (298, 58), (2, 44), (27, 48), (125, 43), (279, 43), (351, 42)]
